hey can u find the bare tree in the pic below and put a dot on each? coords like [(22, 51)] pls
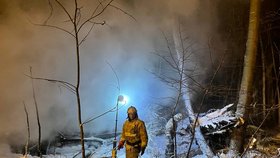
[(276, 73), (247, 77), (80, 30), (28, 130), (270, 63), (177, 59), (175, 80), (182, 56), (263, 81), (78, 26), (39, 148)]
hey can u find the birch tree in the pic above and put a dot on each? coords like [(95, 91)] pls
[(181, 57), (245, 91), (177, 59)]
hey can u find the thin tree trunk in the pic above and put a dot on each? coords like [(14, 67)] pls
[(79, 24), (78, 80), (181, 55), (181, 60), (263, 81), (28, 131), (173, 114), (180, 72), (245, 92), (37, 116), (277, 82)]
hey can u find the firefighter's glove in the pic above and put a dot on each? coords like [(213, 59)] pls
[(143, 150), (120, 146)]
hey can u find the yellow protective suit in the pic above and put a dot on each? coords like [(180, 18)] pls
[(135, 136)]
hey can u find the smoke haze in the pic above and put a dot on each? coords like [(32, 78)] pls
[(124, 43)]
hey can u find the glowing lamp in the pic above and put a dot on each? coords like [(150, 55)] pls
[(123, 99)]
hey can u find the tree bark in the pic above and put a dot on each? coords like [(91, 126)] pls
[(181, 56), (245, 91)]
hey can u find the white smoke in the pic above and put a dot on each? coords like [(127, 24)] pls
[(123, 42), (5, 151)]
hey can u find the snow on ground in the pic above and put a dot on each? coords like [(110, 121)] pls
[(102, 148), (156, 147)]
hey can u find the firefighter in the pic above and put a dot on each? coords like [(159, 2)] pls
[(134, 135)]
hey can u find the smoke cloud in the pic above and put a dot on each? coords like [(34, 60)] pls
[(5, 151), (123, 42)]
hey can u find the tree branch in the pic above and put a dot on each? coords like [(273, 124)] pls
[(93, 23), (118, 8), (67, 84), (94, 16), (50, 15), (65, 10), (56, 27)]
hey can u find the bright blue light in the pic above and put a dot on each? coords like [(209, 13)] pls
[(123, 99)]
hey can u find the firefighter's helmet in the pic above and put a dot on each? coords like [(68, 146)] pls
[(131, 109)]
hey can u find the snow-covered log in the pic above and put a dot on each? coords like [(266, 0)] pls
[(218, 121)]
